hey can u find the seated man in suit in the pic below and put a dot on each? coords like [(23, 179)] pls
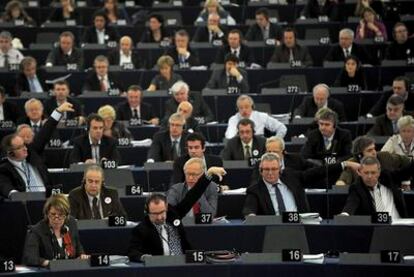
[(236, 47), (320, 99), (291, 52), (24, 169), (168, 145), (162, 232), (401, 87), (263, 29), (402, 47), (230, 77), (346, 47), (196, 147), (66, 53), (135, 108), (386, 124), (93, 200), (274, 195), (100, 32), (61, 91), (124, 55), (329, 142), (316, 9), (262, 121), (30, 79), (364, 146), (101, 79), (181, 52), (181, 92), (34, 114), (8, 54), (375, 191), (194, 168), (8, 110), (245, 145), (93, 147), (213, 33)]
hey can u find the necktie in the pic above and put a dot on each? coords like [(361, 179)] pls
[(174, 150), (265, 33), (6, 61), (395, 127), (135, 113), (36, 129), (379, 205), (291, 57), (32, 184), (95, 152), (279, 199), (174, 241), (235, 53), (327, 142), (346, 52), (164, 238), (196, 208), (95, 209), (247, 152), (103, 85)]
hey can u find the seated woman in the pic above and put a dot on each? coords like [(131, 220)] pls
[(166, 78), (112, 128), (403, 142), (14, 11), (213, 6), (352, 74), (155, 32), (113, 12), (55, 237), (376, 5), (66, 11), (370, 26)]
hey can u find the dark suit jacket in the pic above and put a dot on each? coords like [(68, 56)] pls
[(123, 111), (39, 243), (80, 208), (245, 55), (233, 150), (10, 179), (145, 238), (178, 166), (258, 198), (218, 80), (308, 108), (92, 82), (314, 147), (22, 83), (56, 57), (380, 106), (160, 149), (57, 15), (148, 38), (202, 34), (200, 107), (360, 202), (337, 54), (381, 127), (50, 105), (396, 51), (193, 60), (255, 33), (82, 149), (89, 36), (300, 53), (114, 57), (11, 111), (330, 9)]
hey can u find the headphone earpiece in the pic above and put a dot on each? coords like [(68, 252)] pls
[(10, 153)]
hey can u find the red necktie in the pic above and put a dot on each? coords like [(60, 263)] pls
[(196, 208)]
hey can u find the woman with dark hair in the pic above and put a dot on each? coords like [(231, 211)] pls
[(55, 237), (352, 74), (155, 32), (14, 11), (65, 11), (113, 12), (370, 26)]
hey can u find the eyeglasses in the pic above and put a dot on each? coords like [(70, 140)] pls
[(19, 147), (194, 175), (271, 169), (159, 213), (57, 215)]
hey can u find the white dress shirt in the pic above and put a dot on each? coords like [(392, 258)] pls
[(124, 58), (14, 57), (288, 199), (1, 112), (387, 199)]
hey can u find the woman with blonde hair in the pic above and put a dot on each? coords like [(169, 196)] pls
[(403, 142), (113, 128), (213, 6), (166, 78)]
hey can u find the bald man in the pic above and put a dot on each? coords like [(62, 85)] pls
[(213, 32), (125, 56), (185, 108)]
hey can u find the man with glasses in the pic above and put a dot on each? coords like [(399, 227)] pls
[(162, 232), (24, 169)]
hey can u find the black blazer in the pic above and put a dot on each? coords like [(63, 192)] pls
[(50, 105), (160, 150), (145, 238), (308, 108), (92, 82), (381, 127), (193, 60), (396, 51), (258, 198), (380, 106), (56, 57), (218, 80), (336, 53), (178, 166), (82, 149), (245, 55), (10, 179), (202, 34), (147, 37), (39, 242), (89, 36), (123, 111), (344, 80), (314, 147), (114, 57), (80, 208), (300, 53), (233, 150), (255, 32), (22, 83), (57, 15), (11, 111)]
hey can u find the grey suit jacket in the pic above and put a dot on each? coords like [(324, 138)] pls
[(218, 80), (208, 201)]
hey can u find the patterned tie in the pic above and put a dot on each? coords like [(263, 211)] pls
[(327, 142), (6, 61), (95, 209), (36, 129), (103, 85), (135, 113), (174, 241), (31, 183), (291, 57), (279, 199), (379, 204), (346, 53), (247, 152), (174, 151)]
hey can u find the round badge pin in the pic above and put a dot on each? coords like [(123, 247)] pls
[(255, 152), (176, 222), (108, 200)]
